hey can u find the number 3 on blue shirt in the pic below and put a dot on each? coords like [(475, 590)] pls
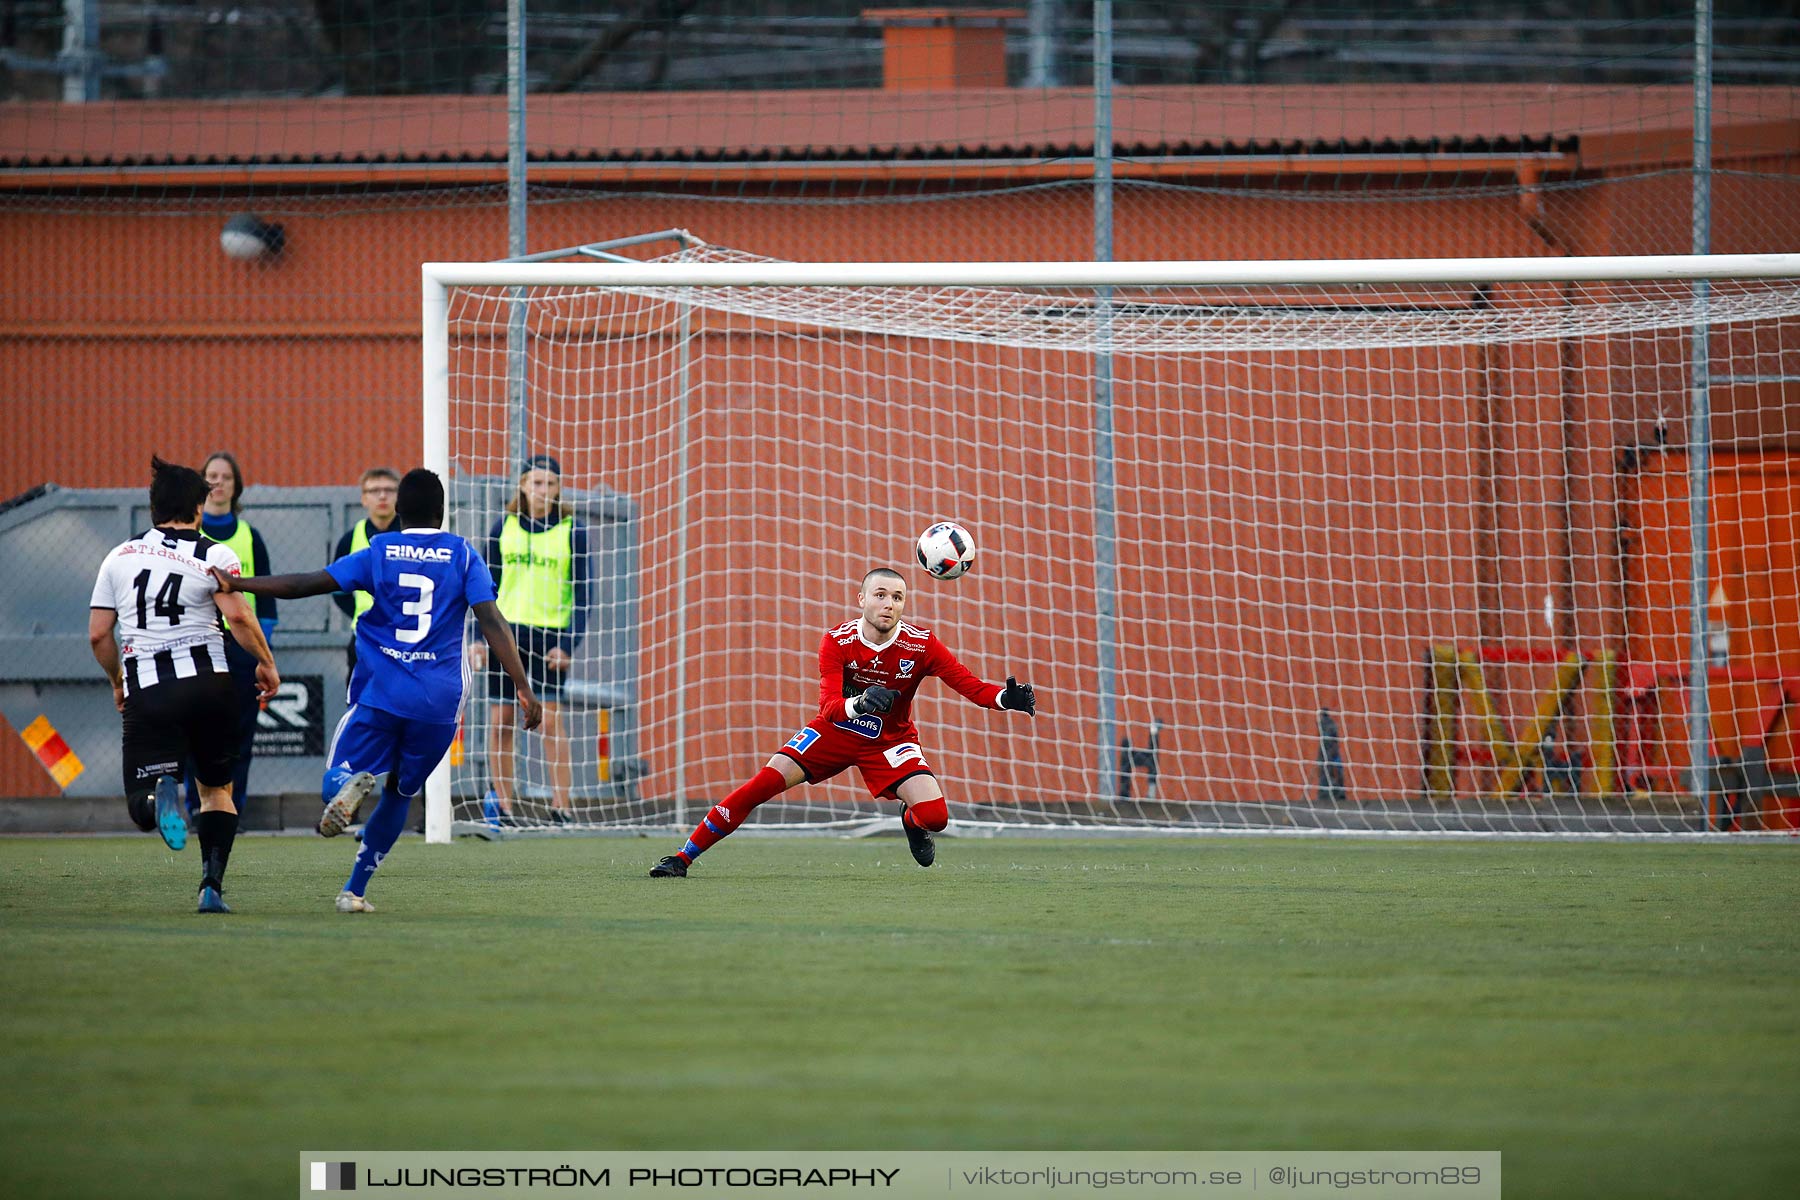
[(420, 608)]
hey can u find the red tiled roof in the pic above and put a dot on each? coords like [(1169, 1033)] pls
[(859, 125)]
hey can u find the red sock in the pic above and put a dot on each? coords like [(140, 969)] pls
[(730, 812), (932, 814)]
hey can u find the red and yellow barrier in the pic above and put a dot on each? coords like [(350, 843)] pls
[(52, 751)]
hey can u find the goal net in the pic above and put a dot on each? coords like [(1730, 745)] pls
[(1400, 546)]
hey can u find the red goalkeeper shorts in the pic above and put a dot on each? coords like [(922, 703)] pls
[(824, 748)]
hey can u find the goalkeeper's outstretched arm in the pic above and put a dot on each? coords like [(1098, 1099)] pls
[(1012, 696)]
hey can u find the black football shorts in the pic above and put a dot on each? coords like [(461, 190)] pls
[(181, 719)]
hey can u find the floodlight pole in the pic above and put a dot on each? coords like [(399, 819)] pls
[(1041, 45), (81, 48), (519, 415), (1700, 426), (1106, 536)]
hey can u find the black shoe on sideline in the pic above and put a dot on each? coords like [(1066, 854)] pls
[(919, 841), (672, 867)]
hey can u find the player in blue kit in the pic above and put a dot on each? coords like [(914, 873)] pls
[(407, 691)]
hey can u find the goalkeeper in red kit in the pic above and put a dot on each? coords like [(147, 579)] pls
[(869, 669)]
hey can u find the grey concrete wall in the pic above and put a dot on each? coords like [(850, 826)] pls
[(52, 546)]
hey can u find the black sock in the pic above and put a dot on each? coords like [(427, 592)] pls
[(217, 829)]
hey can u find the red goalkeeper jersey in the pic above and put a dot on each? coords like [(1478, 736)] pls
[(848, 664)]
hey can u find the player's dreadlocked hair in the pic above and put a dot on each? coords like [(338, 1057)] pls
[(176, 492)]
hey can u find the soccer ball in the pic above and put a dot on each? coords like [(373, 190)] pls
[(946, 550)]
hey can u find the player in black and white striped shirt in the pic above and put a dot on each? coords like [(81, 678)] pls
[(168, 670)]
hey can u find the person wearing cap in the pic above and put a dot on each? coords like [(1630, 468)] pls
[(538, 554)]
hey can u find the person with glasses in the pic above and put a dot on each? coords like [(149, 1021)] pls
[(380, 491)]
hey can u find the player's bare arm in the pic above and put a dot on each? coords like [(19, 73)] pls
[(101, 622), (247, 632), (295, 586), (499, 636)]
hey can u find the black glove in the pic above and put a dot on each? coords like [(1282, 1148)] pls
[(877, 699), (1018, 696)]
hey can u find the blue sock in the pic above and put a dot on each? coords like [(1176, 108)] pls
[(380, 832)]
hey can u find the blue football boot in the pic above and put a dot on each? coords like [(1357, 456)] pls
[(171, 814)]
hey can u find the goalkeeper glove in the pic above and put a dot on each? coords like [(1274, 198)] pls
[(1019, 697), (877, 699)]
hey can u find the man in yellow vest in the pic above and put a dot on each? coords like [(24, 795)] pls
[(221, 521), (537, 553), (380, 491)]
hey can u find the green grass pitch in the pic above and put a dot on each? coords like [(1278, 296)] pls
[(1617, 1018)]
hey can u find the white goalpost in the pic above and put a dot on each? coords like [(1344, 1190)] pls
[(1496, 546)]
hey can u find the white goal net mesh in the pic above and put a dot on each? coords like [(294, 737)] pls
[(1383, 556)]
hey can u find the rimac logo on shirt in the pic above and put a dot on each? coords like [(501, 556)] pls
[(440, 554)]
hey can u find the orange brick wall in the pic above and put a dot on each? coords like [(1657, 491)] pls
[(307, 367)]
